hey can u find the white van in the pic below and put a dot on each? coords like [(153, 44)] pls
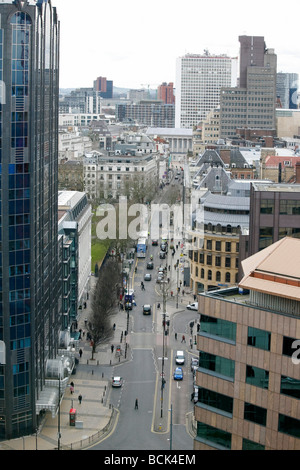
[(179, 359)]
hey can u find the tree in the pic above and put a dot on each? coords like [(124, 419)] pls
[(104, 302)]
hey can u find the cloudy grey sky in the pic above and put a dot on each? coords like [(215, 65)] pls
[(136, 42)]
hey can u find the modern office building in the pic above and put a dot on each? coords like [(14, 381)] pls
[(199, 79), (104, 87), (30, 310), (154, 113), (165, 92), (248, 382), (287, 85), (274, 214), (253, 103)]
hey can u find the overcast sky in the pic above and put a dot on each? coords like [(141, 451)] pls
[(136, 42)]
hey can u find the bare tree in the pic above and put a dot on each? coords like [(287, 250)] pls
[(104, 302)]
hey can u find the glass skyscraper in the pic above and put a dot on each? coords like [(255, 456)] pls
[(30, 276)]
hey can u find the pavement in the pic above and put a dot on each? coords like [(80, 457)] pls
[(96, 418)]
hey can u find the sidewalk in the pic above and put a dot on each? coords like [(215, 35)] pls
[(95, 417)]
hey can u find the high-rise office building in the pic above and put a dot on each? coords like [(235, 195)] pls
[(199, 79), (253, 103), (104, 87), (30, 274), (165, 93), (287, 85)]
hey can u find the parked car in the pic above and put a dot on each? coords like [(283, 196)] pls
[(147, 277), (150, 265), (117, 382), (147, 309), (194, 363), (178, 373), (193, 306)]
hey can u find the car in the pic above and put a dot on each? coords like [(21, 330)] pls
[(194, 364), (155, 242), (178, 373), (147, 277), (159, 279), (128, 306), (179, 358), (147, 309), (150, 265), (117, 382), (193, 306), (163, 247), (162, 255)]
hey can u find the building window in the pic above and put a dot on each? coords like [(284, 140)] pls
[(257, 377), (259, 338), (227, 262), (218, 276), (287, 346), (219, 365), (290, 386), (256, 414), (228, 247), (289, 425), (217, 327), (215, 400), (267, 206), (218, 245), (265, 237), (251, 445), (227, 277), (218, 260), (209, 434)]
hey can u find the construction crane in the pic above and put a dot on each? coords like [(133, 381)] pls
[(148, 86)]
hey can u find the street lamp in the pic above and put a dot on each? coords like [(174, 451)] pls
[(171, 426)]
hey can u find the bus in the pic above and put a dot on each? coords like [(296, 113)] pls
[(141, 248)]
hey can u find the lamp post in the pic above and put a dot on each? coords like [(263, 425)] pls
[(171, 426)]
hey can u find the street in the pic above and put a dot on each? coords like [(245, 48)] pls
[(163, 403)]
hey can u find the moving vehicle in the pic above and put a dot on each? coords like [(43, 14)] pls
[(141, 248), (147, 277), (147, 309), (193, 306), (179, 358), (194, 364), (117, 382), (154, 242), (178, 373), (160, 278), (150, 265), (162, 255)]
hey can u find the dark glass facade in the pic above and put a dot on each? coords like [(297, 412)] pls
[(30, 279)]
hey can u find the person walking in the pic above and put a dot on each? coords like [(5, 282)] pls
[(112, 348), (80, 352), (80, 398), (136, 406), (176, 336), (183, 339)]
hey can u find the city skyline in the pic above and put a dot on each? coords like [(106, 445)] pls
[(137, 45)]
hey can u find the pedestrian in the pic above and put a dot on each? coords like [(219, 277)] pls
[(71, 389), (136, 406), (112, 348), (182, 291), (171, 293), (80, 398), (80, 352), (176, 336), (183, 339), (114, 326), (195, 297), (158, 305)]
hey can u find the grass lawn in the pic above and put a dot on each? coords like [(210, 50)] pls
[(99, 249)]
